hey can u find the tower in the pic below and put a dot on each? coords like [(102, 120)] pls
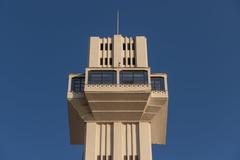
[(118, 108)]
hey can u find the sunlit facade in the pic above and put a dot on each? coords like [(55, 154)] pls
[(118, 108)]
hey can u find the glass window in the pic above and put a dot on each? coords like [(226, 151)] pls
[(102, 77), (106, 61), (101, 46), (106, 46), (128, 46), (110, 61), (157, 83), (78, 84), (133, 46), (104, 157), (130, 157), (124, 61), (110, 47), (101, 61), (124, 46), (129, 61), (98, 157), (133, 77), (133, 61)]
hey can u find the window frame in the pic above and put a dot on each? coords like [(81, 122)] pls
[(104, 77), (77, 84), (133, 77), (158, 87)]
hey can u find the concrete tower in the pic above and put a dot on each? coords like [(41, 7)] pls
[(118, 108)]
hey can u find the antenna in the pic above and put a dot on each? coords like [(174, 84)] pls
[(118, 22)]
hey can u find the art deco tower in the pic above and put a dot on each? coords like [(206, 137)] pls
[(118, 108)]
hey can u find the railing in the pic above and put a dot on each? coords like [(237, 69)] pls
[(153, 90), (159, 91), (117, 85)]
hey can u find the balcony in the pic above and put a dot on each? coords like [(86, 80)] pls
[(109, 82), (120, 101)]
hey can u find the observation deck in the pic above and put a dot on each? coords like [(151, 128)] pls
[(94, 99)]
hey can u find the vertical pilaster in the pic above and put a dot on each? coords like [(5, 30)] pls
[(117, 141), (117, 50), (94, 49), (90, 142), (141, 51), (145, 141)]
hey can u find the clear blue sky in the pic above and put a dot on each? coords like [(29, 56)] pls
[(196, 42)]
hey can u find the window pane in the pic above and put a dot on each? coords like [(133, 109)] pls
[(129, 61), (98, 157), (106, 46), (133, 61), (133, 46), (124, 46), (104, 157), (126, 77), (110, 46), (106, 61), (133, 77), (101, 61), (77, 84), (124, 61), (102, 77), (131, 157), (140, 77), (136, 157), (110, 61), (157, 83)]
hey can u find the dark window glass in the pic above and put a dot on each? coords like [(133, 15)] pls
[(129, 61), (136, 157), (110, 47), (102, 77), (110, 61), (128, 46), (133, 77), (101, 61), (133, 46), (109, 157), (106, 46), (133, 61), (104, 157), (106, 61), (98, 157), (101, 46), (124, 46), (157, 83), (78, 84), (124, 61), (125, 157)]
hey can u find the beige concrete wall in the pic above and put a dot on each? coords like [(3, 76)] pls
[(118, 140), (94, 52), (141, 51), (91, 141), (145, 141), (117, 53), (117, 50)]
